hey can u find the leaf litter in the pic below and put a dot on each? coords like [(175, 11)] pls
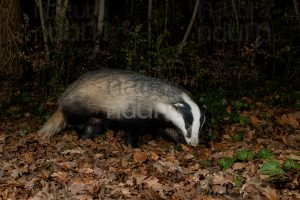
[(68, 167)]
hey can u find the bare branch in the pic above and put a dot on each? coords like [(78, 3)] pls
[(149, 20), (187, 33), (44, 30), (100, 25), (296, 8)]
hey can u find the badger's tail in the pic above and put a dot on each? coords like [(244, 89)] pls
[(54, 125)]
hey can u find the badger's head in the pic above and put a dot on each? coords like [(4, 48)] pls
[(185, 116)]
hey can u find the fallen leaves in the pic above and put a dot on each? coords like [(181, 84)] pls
[(291, 119), (61, 177), (84, 186), (139, 156), (67, 167)]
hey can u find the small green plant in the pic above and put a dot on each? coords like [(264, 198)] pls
[(213, 136), (240, 119), (265, 154), (239, 105), (50, 166), (244, 120), (178, 148), (216, 103), (290, 164), (39, 110), (226, 162), (132, 54), (25, 97), (271, 168), (244, 155), (205, 163), (24, 131), (237, 137), (238, 181)]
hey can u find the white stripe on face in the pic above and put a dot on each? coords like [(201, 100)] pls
[(194, 140), (171, 114)]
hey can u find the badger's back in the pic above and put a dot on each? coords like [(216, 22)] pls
[(118, 94)]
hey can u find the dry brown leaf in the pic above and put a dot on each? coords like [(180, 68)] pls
[(28, 157), (171, 167), (29, 185), (150, 194), (229, 109), (44, 174), (153, 183), (73, 151), (84, 185), (189, 156), (41, 195), (219, 189), (270, 193), (291, 119), (61, 177), (154, 156), (84, 197), (238, 166), (185, 148), (294, 157), (2, 138), (255, 121), (220, 179), (109, 134), (139, 156), (139, 178), (68, 165)]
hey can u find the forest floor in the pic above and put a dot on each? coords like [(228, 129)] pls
[(262, 164)]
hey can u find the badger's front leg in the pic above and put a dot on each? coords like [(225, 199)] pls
[(131, 138)]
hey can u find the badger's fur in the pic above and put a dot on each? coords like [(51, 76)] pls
[(121, 99)]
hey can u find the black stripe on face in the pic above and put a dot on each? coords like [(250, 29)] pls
[(185, 110)]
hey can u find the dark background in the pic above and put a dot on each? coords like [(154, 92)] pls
[(234, 48)]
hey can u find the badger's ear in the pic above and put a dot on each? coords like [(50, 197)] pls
[(178, 105)]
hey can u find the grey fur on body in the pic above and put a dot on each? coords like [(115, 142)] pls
[(115, 95)]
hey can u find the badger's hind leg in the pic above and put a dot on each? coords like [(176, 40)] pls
[(92, 128)]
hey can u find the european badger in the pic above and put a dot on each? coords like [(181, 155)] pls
[(125, 100)]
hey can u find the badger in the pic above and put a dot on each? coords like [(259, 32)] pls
[(117, 99)]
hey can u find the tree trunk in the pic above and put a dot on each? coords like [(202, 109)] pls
[(296, 8), (44, 29), (149, 21), (100, 24), (10, 20), (61, 22), (187, 33), (188, 30), (166, 16)]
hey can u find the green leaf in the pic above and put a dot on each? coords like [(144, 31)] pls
[(290, 164), (178, 148), (271, 168), (238, 181), (205, 163), (213, 136), (244, 120), (226, 162), (244, 155), (238, 105), (265, 154), (237, 137)]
